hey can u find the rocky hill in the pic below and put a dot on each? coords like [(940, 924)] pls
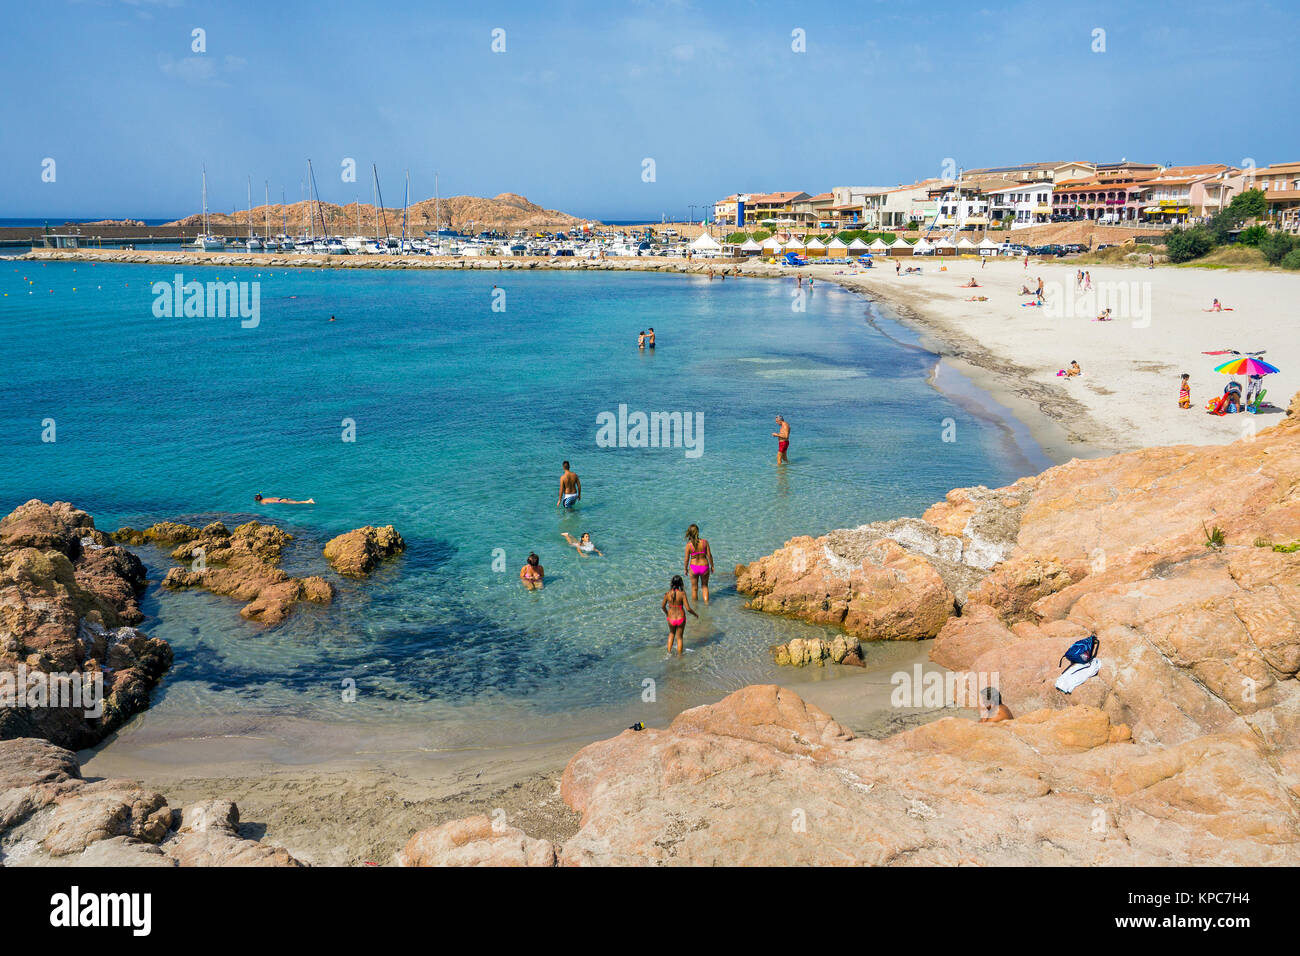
[(507, 211)]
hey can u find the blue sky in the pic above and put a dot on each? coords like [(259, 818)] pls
[(585, 91)]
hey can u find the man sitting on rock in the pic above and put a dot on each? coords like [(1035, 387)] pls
[(992, 710)]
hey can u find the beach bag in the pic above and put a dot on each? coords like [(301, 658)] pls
[(1081, 651)]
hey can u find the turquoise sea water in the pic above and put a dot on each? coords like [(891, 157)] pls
[(462, 418)]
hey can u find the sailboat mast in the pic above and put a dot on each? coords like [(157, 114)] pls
[(266, 210), (406, 200), (250, 206), (205, 200)]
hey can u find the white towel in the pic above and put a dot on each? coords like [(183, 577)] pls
[(1076, 674)]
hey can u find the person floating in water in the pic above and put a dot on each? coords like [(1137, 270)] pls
[(584, 544), (570, 488), (281, 501), (698, 562), (675, 606), (532, 573), (782, 436)]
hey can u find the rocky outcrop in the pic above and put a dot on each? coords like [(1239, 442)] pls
[(841, 649), (763, 778), (68, 600), (49, 814), (358, 552), (475, 841), (242, 564)]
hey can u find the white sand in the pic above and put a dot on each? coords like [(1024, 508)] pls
[(1128, 395)]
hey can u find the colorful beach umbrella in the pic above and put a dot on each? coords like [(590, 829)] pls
[(1246, 366)]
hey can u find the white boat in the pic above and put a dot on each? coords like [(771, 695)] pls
[(335, 246), (357, 245), (253, 244), (207, 241)]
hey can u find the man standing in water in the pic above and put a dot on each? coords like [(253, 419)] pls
[(782, 436), (570, 488)]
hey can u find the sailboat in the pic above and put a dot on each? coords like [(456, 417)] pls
[(271, 245), (208, 241), (253, 244)]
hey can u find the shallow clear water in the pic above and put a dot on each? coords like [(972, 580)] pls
[(462, 418)]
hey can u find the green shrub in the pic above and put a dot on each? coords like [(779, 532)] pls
[(1183, 245), (1275, 247), (1252, 236), (1291, 260)]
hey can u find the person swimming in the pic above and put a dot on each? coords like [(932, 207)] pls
[(281, 501), (675, 606), (699, 562), (532, 573), (650, 337), (640, 340), (583, 544)]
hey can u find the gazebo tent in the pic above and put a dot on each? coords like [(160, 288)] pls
[(964, 244), (945, 247), (902, 247), (750, 248), (988, 246), (771, 245), (837, 248), (879, 245), (857, 247), (816, 247), (922, 247), (794, 245), (705, 245)]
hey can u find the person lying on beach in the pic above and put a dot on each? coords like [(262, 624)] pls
[(992, 710), (970, 285), (1103, 316), (675, 606), (911, 270), (1073, 370), (583, 544), (282, 501), (532, 573), (1025, 290), (978, 298), (1216, 306)]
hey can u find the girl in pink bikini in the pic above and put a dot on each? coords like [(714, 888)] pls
[(698, 561), (675, 607)]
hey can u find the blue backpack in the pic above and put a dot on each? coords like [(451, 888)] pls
[(1081, 651)]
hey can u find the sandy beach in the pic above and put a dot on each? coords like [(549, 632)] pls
[(1127, 397)]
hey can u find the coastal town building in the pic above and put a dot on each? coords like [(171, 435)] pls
[(725, 210), (1281, 185), (896, 207), (776, 207), (961, 205), (1110, 200), (1125, 171), (1024, 204), (1033, 172)]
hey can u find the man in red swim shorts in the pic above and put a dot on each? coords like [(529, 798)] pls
[(782, 436)]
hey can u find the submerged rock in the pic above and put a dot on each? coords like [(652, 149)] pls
[(358, 552)]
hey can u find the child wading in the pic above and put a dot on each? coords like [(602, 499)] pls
[(675, 607), (1185, 392)]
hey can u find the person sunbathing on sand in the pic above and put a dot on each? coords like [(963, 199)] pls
[(1025, 290), (1073, 370), (282, 501), (992, 710), (970, 285), (583, 544), (978, 298), (1103, 316), (1216, 306)]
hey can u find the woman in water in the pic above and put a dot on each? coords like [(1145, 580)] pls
[(584, 544), (532, 573), (698, 562), (675, 606)]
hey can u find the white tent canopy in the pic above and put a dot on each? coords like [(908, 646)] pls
[(879, 244), (857, 245), (771, 243), (815, 243), (749, 245), (923, 245), (794, 245), (837, 244), (964, 243), (705, 243)]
